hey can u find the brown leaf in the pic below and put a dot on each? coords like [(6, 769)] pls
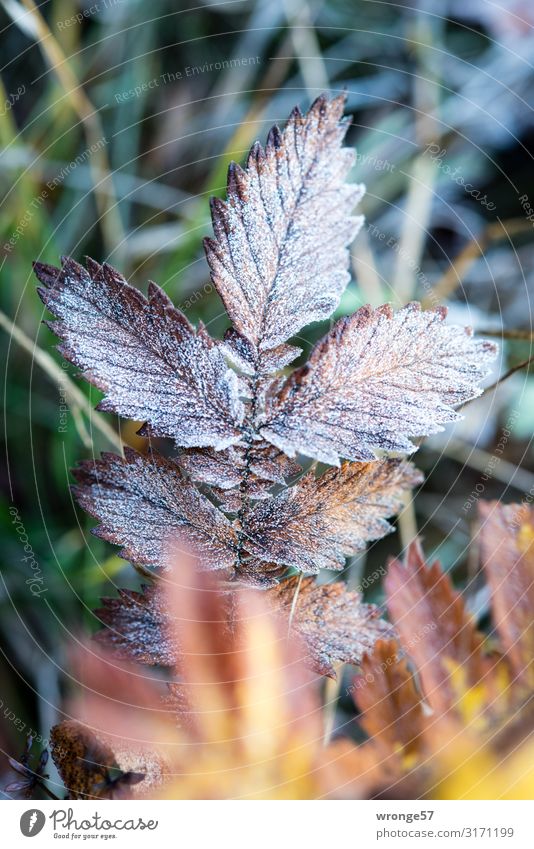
[(225, 469), (376, 379), (138, 627), (507, 551), (145, 501), (87, 762), (434, 626), (333, 622), (144, 354), (279, 255), (386, 694), (81, 758), (316, 523), (239, 473), (244, 356)]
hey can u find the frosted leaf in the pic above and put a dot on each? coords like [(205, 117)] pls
[(334, 623), (376, 379), (258, 572), (243, 355), (145, 502), (223, 469), (332, 620), (138, 627), (143, 353), (319, 521), (279, 255), (263, 463)]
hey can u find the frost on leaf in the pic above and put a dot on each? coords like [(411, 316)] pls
[(507, 552), (334, 624), (143, 354), (145, 502), (138, 627), (376, 379), (262, 463), (319, 521), (332, 621), (432, 621), (279, 257)]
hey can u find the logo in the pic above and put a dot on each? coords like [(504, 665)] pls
[(32, 822)]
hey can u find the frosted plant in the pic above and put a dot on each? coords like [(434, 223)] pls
[(239, 416)]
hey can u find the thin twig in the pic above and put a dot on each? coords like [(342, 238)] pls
[(526, 335), (481, 460), (452, 278), (493, 386)]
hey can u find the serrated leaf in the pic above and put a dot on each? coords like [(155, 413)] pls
[(507, 553), (385, 693), (239, 473), (434, 626), (244, 356), (334, 623), (86, 762), (145, 502), (376, 379), (332, 620), (82, 759), (319, 521), (279, 254), (138, 627), (143, 353)]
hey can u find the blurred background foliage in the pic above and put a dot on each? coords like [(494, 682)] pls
[(118, 120)]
